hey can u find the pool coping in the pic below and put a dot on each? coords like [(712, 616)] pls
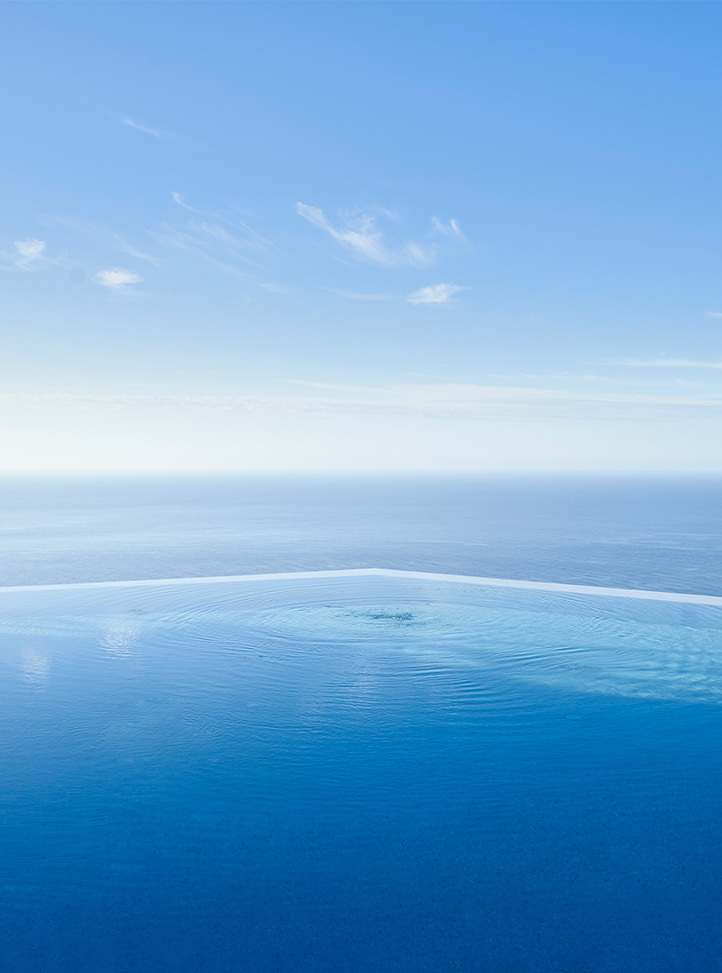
[(553, 586)]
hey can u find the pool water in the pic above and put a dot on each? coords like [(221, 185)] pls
[(358, 773)]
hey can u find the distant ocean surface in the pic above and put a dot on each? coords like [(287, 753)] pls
[(656, 533)]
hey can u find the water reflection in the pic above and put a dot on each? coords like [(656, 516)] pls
[(35, 666), (121, 636)]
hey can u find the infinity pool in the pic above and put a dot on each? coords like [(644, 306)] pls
[(358, 772)]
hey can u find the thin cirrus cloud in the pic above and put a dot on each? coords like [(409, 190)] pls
[(99, 234), (451, 228), (177, 198), (447, 400), (360, 235), (25, 253), (361, 297), (145, 129), (434, 294), (226, 245), (714, 314), (663, 363), (116, 278)]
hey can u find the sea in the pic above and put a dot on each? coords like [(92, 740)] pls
[(658, 533)]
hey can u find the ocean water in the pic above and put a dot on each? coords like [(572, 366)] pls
[(660, 533), (358, 773)]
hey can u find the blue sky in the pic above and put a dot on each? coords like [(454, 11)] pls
[(361, 236)]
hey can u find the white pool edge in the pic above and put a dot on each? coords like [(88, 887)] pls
[(576, 589)]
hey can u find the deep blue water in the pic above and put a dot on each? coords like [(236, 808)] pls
[(359, 774), (660, 533)]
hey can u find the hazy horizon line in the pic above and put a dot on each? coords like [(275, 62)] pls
[(380, 471)]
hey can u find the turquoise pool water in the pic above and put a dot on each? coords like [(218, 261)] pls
[(358, 773)]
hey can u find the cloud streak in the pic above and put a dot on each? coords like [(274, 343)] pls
[(229, 246), (450, 400), (360, 236), (435, 294), (211, 243), (663, 363), (451, 228), (25, 253), (156, 133), (116, 278), (100, 235), (177, 198), (361, 297)]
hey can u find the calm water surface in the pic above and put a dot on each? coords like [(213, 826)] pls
[(358, 774), (636, 533)]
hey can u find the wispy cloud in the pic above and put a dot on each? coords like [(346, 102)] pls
[(714, 314), (224, 243), (450, 400), (435, 294), (360, 235), (116, 278), (361, 297), (138, 254), (212, 244), (102, 237), (177, 198), (146, 130), (25, 253), (240, 231), (30, 250), (449, 228), (230, 246), (663, 363)]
